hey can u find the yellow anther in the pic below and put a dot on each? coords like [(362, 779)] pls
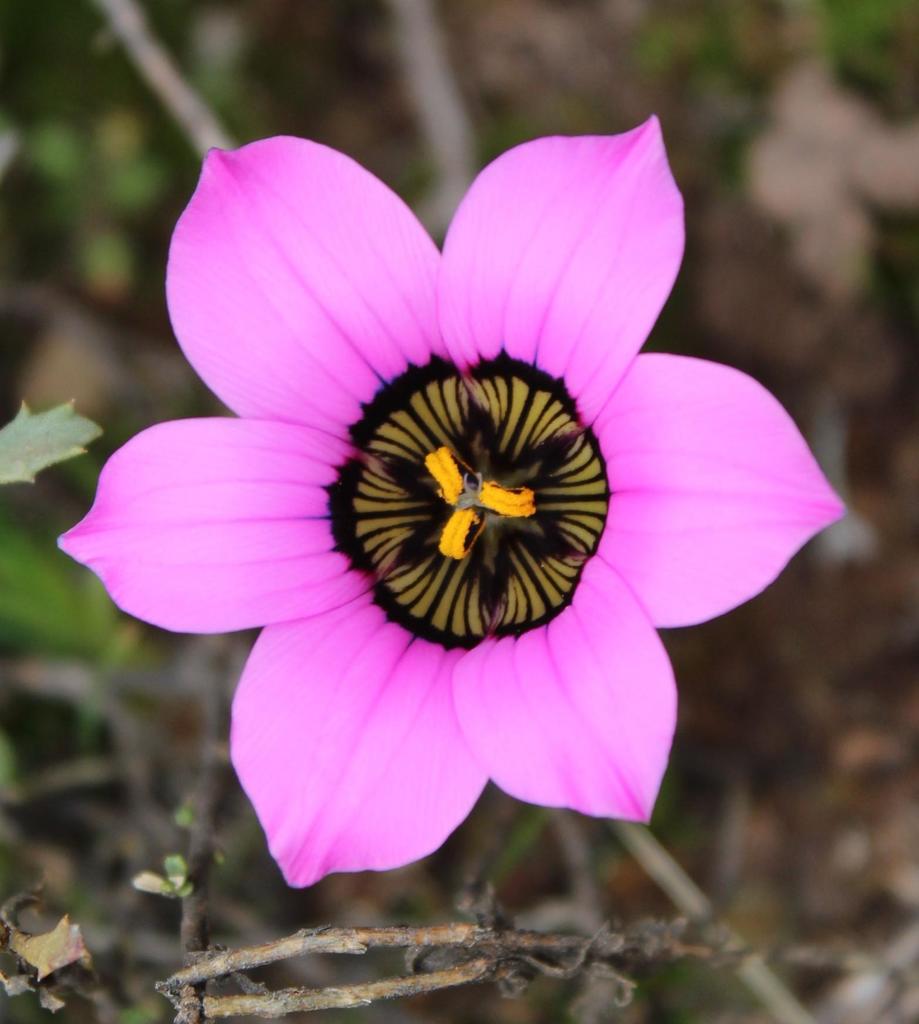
[(458, 537), (444, 468), (507, 501)]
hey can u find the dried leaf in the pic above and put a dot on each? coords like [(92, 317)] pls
[(50, 1001), (33, 441), (16, 984), (52, 950)]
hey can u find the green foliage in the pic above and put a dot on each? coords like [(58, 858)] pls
[(47, 604), (56, 151), (141, 1013), (526, 832), (713, 45), (106, 262), (33, 441), (8, 764), (97, 183), (184, 815), (896, 273), (862, 37)]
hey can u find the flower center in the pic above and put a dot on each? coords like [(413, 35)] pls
[(466, 491), (472, 501)]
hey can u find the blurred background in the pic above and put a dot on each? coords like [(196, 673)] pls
[(793, 131)]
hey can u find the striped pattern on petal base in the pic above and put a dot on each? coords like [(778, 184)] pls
[(506, 425)]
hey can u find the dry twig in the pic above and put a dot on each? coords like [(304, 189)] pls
[(304, 1000), (128, 22), (444, 956), (461, 953), (444, 121)]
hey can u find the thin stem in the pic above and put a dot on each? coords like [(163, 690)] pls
[(202, 841), (128, 22), (442, 115), (195, 929), (759, 978)]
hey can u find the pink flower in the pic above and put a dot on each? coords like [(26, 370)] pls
[(456, 497)]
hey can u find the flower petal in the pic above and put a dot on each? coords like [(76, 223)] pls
[(713, 487), (563, 253), (345, 738), (217, 524), (578, 714), (297, 282)]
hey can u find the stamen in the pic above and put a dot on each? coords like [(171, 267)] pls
[(465, 491), (457, 537), (444, 468), (507, 501)]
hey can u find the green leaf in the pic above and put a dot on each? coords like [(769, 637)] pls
[(150, 881), (175, 884), (36, 440), (176, 869)]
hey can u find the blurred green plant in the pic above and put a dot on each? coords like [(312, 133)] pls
[(8, 764), (712, 45), (896, 279), (46, 606), (143, 1013), (865, 39)]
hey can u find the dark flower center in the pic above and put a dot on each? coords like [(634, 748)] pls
[(474, 499)]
